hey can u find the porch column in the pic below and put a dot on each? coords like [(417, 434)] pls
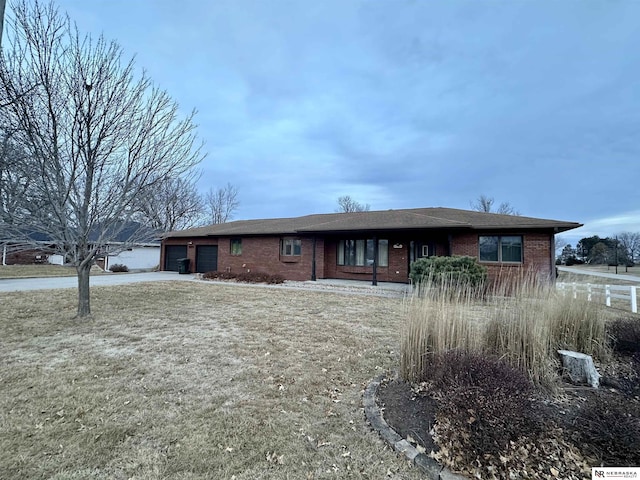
[(553, 271), (313, 259), (374, 280)]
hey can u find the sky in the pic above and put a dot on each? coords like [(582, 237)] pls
[(401, 103)]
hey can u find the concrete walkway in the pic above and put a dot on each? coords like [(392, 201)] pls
[(582, 271)]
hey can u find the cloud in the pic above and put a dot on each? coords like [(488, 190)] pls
[(401, 104), (609, 226)]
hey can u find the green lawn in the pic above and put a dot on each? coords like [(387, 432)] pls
[(191, 381)]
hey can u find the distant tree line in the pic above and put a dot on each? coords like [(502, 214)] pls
[(621, 249)]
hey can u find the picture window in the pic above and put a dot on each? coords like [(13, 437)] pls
[(360, 252), (505, 248)]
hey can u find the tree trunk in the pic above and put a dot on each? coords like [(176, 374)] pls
[(84, 305)]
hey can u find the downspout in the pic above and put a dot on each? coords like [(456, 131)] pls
[(313, 260), (374, 280), (4, 255)]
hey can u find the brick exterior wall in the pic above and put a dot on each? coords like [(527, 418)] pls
[(26, 257), (262, 254), (537, 254), (259, 254)]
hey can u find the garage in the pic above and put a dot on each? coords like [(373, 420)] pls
[(206, 258), (171, 256)]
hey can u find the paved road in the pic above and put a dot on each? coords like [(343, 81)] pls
[(582, 271), (22, 284)]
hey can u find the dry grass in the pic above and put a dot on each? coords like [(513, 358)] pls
[(584, 277), (190, 381), (570, 277), (635, 270), (44, 270), (524, 323)]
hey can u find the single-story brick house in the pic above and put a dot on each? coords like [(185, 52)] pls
[(374, 246)]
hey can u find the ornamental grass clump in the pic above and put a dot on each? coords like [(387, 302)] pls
[(440, 318), (521, 319)]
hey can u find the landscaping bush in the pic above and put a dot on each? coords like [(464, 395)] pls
[(573, 261), (625, 335), (245, 277), (448, 271), (483, 403), (119, 268), (609, 432)]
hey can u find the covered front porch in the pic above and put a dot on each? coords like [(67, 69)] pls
[(380, 257)]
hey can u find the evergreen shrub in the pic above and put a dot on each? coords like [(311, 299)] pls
[(444, 271), (118, 268)]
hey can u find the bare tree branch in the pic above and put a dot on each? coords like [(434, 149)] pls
[(630, 242), (485, 204), (347, 204), (221, 203), (172, 204)]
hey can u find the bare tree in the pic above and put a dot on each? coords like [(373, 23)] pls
[(485, 204), (221, 203), (560, 243), (630, 242), (172, 204), (98, 137), (347, 204)]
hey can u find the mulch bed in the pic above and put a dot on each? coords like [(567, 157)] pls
[(602, 424), (409, 414)]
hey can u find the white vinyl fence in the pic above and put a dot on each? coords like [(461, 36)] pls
[(626, 293)]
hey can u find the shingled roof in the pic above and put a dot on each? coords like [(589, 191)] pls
[(378, 221)]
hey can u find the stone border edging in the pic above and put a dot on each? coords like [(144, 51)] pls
[(428, 465)]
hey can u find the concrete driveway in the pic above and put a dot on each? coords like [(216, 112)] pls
[(582, 271), (25, 284)]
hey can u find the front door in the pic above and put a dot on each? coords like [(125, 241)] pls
[(420, 249)]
